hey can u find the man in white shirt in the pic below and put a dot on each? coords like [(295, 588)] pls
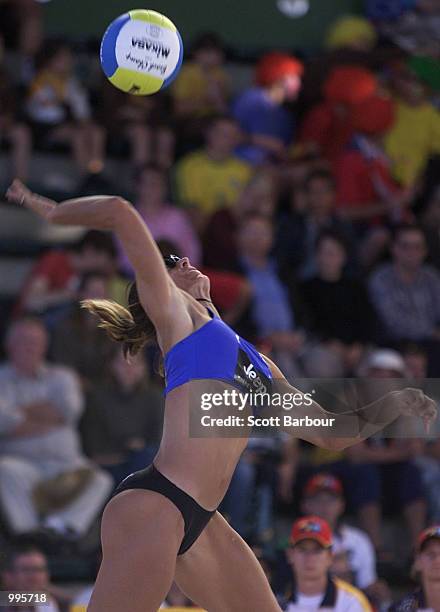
[(312, 588), (40, 404), (324, 496)]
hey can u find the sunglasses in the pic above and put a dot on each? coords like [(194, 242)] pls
[(171, 261)]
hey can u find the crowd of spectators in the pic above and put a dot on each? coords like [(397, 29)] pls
[(312, 201)]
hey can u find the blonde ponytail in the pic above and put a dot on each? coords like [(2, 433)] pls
[(134, 331)]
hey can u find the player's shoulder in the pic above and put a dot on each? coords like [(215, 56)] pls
[(350, 593)]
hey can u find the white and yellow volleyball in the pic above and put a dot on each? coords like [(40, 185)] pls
[(141, 52)]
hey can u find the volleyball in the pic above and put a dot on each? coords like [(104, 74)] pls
[(141, 52)]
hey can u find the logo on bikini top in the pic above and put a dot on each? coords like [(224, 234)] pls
[(247, 375)]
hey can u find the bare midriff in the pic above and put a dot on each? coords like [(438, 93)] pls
[(200, 466)]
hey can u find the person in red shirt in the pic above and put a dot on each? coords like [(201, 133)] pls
[(328, 127), (366, 191), (367, 194), (54, 279)]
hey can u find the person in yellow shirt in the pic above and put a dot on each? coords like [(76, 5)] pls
[(311, 586), (415, 135), (59, 110), (202, 86), (212, 177)]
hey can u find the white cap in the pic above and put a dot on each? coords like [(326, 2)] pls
[(385, 359)]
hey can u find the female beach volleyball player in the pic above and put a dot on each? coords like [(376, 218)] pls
[(162, 524)]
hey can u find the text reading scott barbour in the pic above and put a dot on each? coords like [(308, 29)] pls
[(239, 401)]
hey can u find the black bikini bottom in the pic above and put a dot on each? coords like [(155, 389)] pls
[(195, 517)]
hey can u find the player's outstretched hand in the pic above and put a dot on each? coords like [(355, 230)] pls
[(21, 195), (18, 193), (413, 402)]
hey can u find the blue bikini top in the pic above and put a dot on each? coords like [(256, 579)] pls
[(215, 351)]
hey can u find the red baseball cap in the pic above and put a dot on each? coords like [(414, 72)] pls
[(275, 66), (311, 528), (323, 482), (430, 533)]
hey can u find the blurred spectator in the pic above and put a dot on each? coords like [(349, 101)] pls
[(213, 177), (427, 571), (202, 87), (77, 341), (267, 125), (366, 191), (409, 149), (310, 556), (122, 424), (351, 32), (430, 223), (381, 474), (59, 109), (231, 293), (324, 497), (21, 23), (220, 233), (165, 221), (427, 458), (142, 122), (266, 468), (272, 312), (53, 281), (39, 443), (298, 231), (339, 314), (389, 465), (350, 40), (26, 570), (426, 452), (415, 27), (327, 128), (16, 133), (378, 10), (416, 361), (406, 292)]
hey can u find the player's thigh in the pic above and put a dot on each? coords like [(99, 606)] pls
[(220, 572), (141, 534)]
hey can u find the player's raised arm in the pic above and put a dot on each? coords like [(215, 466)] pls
[(111, 213), (356, 424)]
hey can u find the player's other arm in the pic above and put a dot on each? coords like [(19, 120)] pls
[(352, 427)]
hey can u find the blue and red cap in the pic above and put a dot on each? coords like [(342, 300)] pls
[(430, 533), (311, 528)]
